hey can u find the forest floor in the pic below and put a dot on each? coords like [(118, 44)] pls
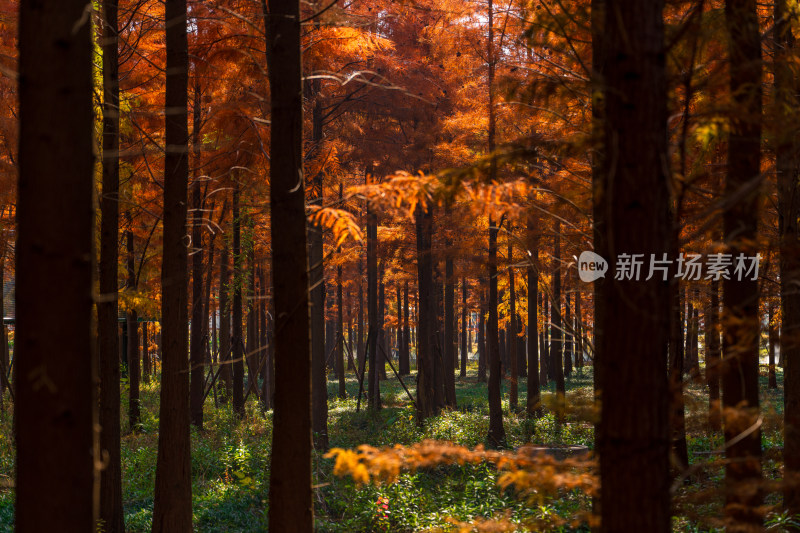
[(230, 463)]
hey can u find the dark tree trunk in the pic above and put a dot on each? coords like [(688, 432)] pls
[(383, 348), (555, 314), (290, 464), (405, 359), (237, 337), (533, 399), (512, 330), (426, 405), (134, 419), (373, 383), (675, 359), (319, 381), (464, 328), (267, 371), (360, 324), (147, 365), (111, 511), (172, 508), (482, 337), (633, 441), (196, 352), (340, 330), (209, 341), (544, 341), (134, 370), (497, 433), (579, 348), (740, 297), (569, 338), (55, 408), (449, 329), (251, 348), (713, 357), (772, 382), (787, 167), (548, 332), (225, 370)]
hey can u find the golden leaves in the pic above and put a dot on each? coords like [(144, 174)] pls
[(341, 223), (527, 470)]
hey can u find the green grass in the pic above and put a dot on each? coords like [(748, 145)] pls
[(230, 462)]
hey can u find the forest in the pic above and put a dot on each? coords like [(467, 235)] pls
[(399, 266)]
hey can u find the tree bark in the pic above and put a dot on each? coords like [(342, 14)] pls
[(290, 463), (172, 508), (134, 418), (713, 360), (111, 510), (55, 390), (405, 358), (512, 330), (426, 406), (196, 352), (225, 370), (740, 319), (533, 398), (787, 166), (555, 318), (373, 383), (633, 441), (464, 328), (237, 337), (449, 329)]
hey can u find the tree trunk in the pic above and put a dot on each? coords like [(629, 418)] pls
[(533, 399), (512, 330), (740, 319), (482, 337), (568, 337), (405, 359), (111, 511), (340, 330), (319, 381), (196, 352), (773, 340), (713, 357), (633, 441), (360, 324), (787, 167), (56, 403), (464, 328), (373, 385), (556, 333), (134, 419), (147, 365), (225, 370), (237, 338), (426, 406), (172, 508), (544, 361), (449, 329), (290, 463)]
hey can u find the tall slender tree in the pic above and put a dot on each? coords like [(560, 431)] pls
[(290, 465), (787, 166), (55, 411), (111, 512), (633, 441), (172, 507), (740, 317)]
